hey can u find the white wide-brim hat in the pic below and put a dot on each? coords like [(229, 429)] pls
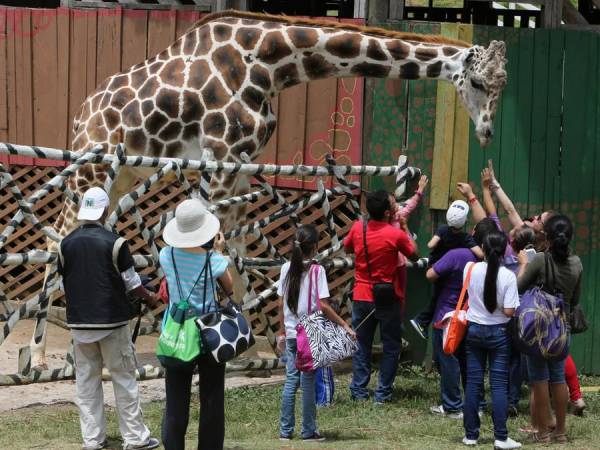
[(192, 226)]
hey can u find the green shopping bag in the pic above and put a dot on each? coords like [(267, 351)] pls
[(179, 344)]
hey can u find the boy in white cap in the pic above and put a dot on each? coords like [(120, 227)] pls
[(446, 238), (98, 272)]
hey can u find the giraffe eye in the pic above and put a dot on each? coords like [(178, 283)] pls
[(477, 85)]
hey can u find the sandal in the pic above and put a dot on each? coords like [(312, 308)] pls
[(527, 430), (559, 438), (539, 438)]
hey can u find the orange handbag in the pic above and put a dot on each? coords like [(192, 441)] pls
[(456, 327)]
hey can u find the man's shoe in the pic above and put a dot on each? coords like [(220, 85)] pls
[(420, 329), (316, 437), (469, 442), (508, 444), (285, 438), (152, 443), (577, 407), (513, 411), (440, 411)]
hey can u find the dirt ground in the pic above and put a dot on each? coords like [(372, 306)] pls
[(15, 397)]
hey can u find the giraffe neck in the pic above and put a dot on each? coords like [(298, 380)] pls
[(317, 53)]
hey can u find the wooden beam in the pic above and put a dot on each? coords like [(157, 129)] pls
[(572, 16)]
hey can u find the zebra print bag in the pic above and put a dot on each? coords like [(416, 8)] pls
[(320, 342)]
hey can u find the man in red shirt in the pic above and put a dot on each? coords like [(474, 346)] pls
[(383, 244)]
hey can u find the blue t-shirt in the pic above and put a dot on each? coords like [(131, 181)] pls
[(449, 240), (189, 266)]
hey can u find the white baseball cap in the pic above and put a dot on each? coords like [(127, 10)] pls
[(456, 216), (192, 226), (94, 202)]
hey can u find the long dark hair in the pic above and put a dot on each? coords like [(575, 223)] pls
[(523, 238), (559, 231), (306, 239), (494, 246)]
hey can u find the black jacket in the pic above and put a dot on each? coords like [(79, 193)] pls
[(95, 292)]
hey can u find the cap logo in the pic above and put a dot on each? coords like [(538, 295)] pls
[(89, 203)]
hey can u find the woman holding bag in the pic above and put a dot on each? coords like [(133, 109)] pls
[(191, 236), (295, 295), (493, 298)]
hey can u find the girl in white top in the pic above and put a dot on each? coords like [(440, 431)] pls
[(493, 298), (293, 304)]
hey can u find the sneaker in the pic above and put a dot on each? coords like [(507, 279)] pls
[(440, 411), (508, 444), (420, 329), (285, 438), (469, 442), (152, 443), (100, 446), (577, 407), (316, 437)]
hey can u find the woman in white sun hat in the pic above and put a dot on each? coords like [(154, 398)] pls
[(195, 243)]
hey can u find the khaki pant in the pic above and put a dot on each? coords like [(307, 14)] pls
[(116, 352)]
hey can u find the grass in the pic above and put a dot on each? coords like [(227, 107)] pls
[(252, 422)]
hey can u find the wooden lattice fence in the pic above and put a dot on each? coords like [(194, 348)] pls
[(21, 282)]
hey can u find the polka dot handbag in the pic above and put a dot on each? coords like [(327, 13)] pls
[(226, 332)]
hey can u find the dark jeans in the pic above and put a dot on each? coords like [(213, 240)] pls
[(390, 327), (426, 316), (452, 370), (515, 378), (178, 384), (487, 343)]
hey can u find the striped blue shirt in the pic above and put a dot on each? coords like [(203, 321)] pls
[(189, 266)]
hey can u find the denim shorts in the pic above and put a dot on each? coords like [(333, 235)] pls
[(539, 370)]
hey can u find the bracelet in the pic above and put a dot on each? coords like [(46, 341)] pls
[(473, 199), (419, 193)]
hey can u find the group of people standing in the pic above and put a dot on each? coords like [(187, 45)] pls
[(497, 265)]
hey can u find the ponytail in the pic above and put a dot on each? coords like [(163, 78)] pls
[(306, 239), (559, 231), (494, 246)]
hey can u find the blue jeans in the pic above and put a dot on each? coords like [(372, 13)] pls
[(487, 343), (515, 377), (539, 370), (390, 327), (452, 368), (294, 379)]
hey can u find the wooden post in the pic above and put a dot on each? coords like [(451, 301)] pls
[(552, 13), (378, 11)]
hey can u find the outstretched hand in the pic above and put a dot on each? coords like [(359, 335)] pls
[(219, 242), (465, 189), (423, 181), (486, 178)]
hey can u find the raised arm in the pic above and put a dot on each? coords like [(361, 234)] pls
[(508, 206), (467, 191), (488, 202), (412, 203)]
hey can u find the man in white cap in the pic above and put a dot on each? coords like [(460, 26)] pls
[(98, 272)]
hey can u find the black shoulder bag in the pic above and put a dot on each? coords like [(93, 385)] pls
[(383, 293)]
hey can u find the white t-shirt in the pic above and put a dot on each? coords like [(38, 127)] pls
[(507, 295), (290, 319)]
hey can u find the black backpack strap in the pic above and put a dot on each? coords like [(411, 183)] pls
[(115, 252)]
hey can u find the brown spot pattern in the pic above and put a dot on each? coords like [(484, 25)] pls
[(118, 82), (247, 146), (371, 70), (449, 51), (222, 32), (316, 66), (219, 149), (135, 139), (346, 45), (191, 131), (199, 72), (286, 76), (168, 101), (192, 108), (273, 48), (96, 129), (214, 95), (172, 72), (253, 98), (189, 43), (247, 37), (155, 147), (229, 62), (173, 149), (241, 123), (155, 122), (148, 89), (214, 125), (87, 172), (170, 132), (260, 77), (204, 40), (137, 78), (375, 52), (147, 107), (303, 37), (131, 115), (398, 49), (425, 54)]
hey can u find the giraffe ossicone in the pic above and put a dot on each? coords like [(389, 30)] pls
[(211, 90)]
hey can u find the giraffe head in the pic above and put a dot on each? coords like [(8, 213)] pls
[(479, 84)]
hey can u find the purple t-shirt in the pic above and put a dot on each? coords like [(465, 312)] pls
[(450, 269)]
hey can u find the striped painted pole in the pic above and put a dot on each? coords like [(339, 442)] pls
[(346, 187)]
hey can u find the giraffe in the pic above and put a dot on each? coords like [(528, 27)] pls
[(210, 91)]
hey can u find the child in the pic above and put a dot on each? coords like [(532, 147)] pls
[(294, 297), (446, 238)]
